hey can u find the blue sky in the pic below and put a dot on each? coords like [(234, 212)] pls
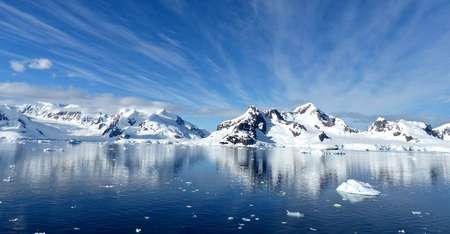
[(209, 60)]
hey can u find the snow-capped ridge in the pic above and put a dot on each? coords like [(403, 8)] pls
[(272, 126), (129, 123), (307, 126), (308, 114), (443, 131), (402, 129)]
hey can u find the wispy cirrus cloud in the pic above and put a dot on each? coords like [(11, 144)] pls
[(367, 57)]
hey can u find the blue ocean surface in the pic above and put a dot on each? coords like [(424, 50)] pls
[(55, 187)]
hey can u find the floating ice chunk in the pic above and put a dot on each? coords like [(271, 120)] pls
[(107, 186), (313, 229), (52, 150), (337, 205), (76, 229), (39, 233), (283, 222), (416, 212), (189, 206), (138, 230), (252, 215), (250, 205), (73, 207), (357, 187), (194, 216), (230, 218), (74, 142), (295, 214), (256, 219), (283, 193), (14, 220), (1, 202), (241, 224), (7, 179), (146, 217), (188, 182), (246, 219), (401, 231)]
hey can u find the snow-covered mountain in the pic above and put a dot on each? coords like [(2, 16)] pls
[(306, 124), (131, 123), (443, 131), (70, 122), (309, 127), (15, 125), (409, 131), (311, 116)]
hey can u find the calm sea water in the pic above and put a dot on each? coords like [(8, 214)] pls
[(100, 188)]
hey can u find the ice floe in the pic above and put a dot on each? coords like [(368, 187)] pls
[(357, 187), (295, 214)]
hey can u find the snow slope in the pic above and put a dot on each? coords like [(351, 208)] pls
[(443, 131), (15, 125)]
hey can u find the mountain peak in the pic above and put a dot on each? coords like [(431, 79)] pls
[(307, 107)]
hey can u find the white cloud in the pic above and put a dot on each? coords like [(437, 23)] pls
[(17, 66), (40, 64), (37, 63), (22, 93)]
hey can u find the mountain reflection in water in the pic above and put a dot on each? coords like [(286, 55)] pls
[(110, 188)]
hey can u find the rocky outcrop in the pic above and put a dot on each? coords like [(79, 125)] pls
[(244, 129)]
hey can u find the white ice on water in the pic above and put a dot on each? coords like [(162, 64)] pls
[(295, 214), (357, 187)]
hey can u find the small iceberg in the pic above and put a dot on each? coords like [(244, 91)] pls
[(74, 142), (357, 187), (295, 214)]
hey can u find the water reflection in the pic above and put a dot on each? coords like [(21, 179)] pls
[(278, 169)]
